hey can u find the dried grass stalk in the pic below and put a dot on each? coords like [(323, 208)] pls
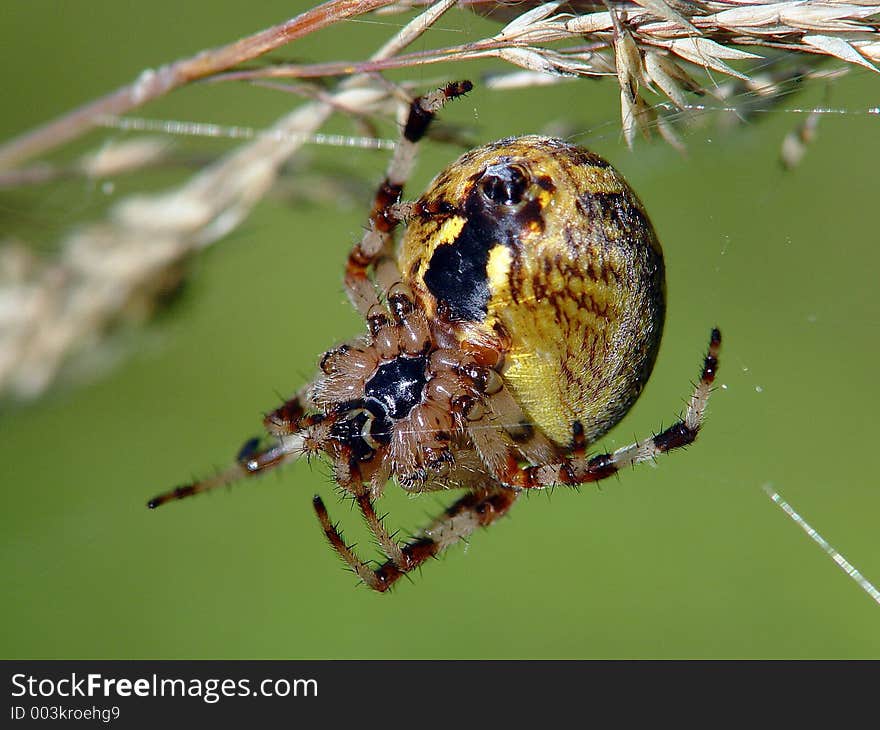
[(50, 308)]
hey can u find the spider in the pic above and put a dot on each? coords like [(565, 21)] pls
[(517, 321)]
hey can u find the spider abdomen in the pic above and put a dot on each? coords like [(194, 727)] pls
[(540, 249)]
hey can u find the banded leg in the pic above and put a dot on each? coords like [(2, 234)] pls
[(251, 461), (294, 433), (291, 416), (474, 510), (530, 442), (393, 551), (580, 469), (377, 239)]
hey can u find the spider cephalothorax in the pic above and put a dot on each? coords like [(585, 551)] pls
[(517, 322)]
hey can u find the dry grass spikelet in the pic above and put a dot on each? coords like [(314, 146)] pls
[(50, 308)]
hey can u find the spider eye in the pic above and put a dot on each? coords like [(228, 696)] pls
[(504, 184)]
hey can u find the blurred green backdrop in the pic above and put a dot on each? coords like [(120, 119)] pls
[(689, 559)]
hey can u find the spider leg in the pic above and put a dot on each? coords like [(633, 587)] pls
[(389, 545), (579, 469), (377, 240), (530, 442), (476, 509), (337, 542), (291, 417), (250, 462), (292, 428)]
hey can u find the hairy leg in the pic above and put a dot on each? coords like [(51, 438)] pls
[(474, 510), (377, 240), (504, 463)]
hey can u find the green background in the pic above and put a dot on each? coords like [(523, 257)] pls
[(688, 559)]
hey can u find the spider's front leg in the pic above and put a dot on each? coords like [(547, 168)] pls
[(377, 240), (251, 461), (289, 424)]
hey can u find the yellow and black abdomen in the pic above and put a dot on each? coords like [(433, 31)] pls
[(542, 246)]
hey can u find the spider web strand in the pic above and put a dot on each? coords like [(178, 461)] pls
[(827, 548)]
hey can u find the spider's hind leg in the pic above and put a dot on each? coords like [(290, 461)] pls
[(580, 470)]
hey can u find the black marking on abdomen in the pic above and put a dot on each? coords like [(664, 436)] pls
[(457, 276), (498, 210)]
